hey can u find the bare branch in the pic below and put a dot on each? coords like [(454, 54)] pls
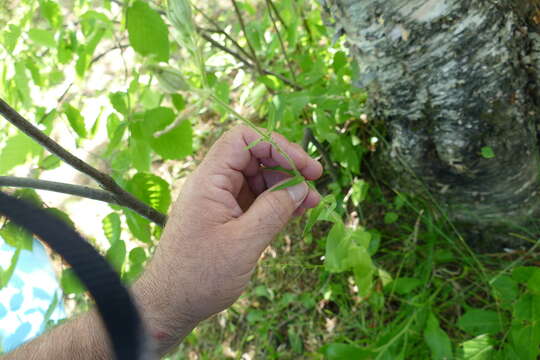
[(76, 190), (123, 197)]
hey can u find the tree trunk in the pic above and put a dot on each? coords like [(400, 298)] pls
[(453, 79)]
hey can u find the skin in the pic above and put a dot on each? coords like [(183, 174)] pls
[(222, 221)]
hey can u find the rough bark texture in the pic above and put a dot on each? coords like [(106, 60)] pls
[(450, 77)]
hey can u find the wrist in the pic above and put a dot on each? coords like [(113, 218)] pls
[(164, 323)]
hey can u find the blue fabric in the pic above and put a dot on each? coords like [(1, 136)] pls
[(30, 292)]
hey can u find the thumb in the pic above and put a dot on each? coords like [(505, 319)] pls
[(272, 210)]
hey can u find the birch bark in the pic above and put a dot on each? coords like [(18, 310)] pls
[(450, 78)]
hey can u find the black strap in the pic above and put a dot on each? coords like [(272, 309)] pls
[(113, 301)]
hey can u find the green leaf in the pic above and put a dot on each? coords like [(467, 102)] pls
[(5, 275), (289, 183), (155, 120), (176, 143), (487, 152), (116, 255), (42, 37), (50, 162), (437, 340), (522, 274), (50, 10), (21, 82), (139, 226), (111, 227), (404, 285), (346, 352), (139, 152), (71, 283), (478, 322), (119, 102), (34, 71), (337, 249), (324, 211), (359, 192), (181, 17), (151, 189), (75, 120), (363, 269), (10, 38), (115, 131), (479, 348), (148, 34), (178, 101), (534, 282), (505, 289), (390, 218), (19, 149), (137, 256)]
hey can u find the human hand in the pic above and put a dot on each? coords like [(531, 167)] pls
[(218, 228)]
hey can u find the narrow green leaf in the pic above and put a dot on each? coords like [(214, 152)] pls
[(289, 183), (76, 120), (253, 144), (148, 34)]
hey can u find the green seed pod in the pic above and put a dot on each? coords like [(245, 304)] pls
[(170, 80)]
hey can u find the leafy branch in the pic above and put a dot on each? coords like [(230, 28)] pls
[(120, 196)]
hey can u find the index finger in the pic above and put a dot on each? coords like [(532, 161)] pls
[(231, 152)]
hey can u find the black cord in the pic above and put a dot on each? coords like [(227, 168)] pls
[(117, 310)]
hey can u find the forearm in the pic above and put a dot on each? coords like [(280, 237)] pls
[(80, 338), (85, 338)]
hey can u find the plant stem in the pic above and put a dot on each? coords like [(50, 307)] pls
[(76, 190), (123, 197), (281, 43), (243, 26)]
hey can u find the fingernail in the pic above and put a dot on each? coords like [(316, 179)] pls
[(298, 192)]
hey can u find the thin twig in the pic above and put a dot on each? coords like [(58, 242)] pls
[(309, 137), (222, 31), (243, 26), (98, 57), (278, 15), (281, 43), (76, 190), (123, 197), (249, 64)]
